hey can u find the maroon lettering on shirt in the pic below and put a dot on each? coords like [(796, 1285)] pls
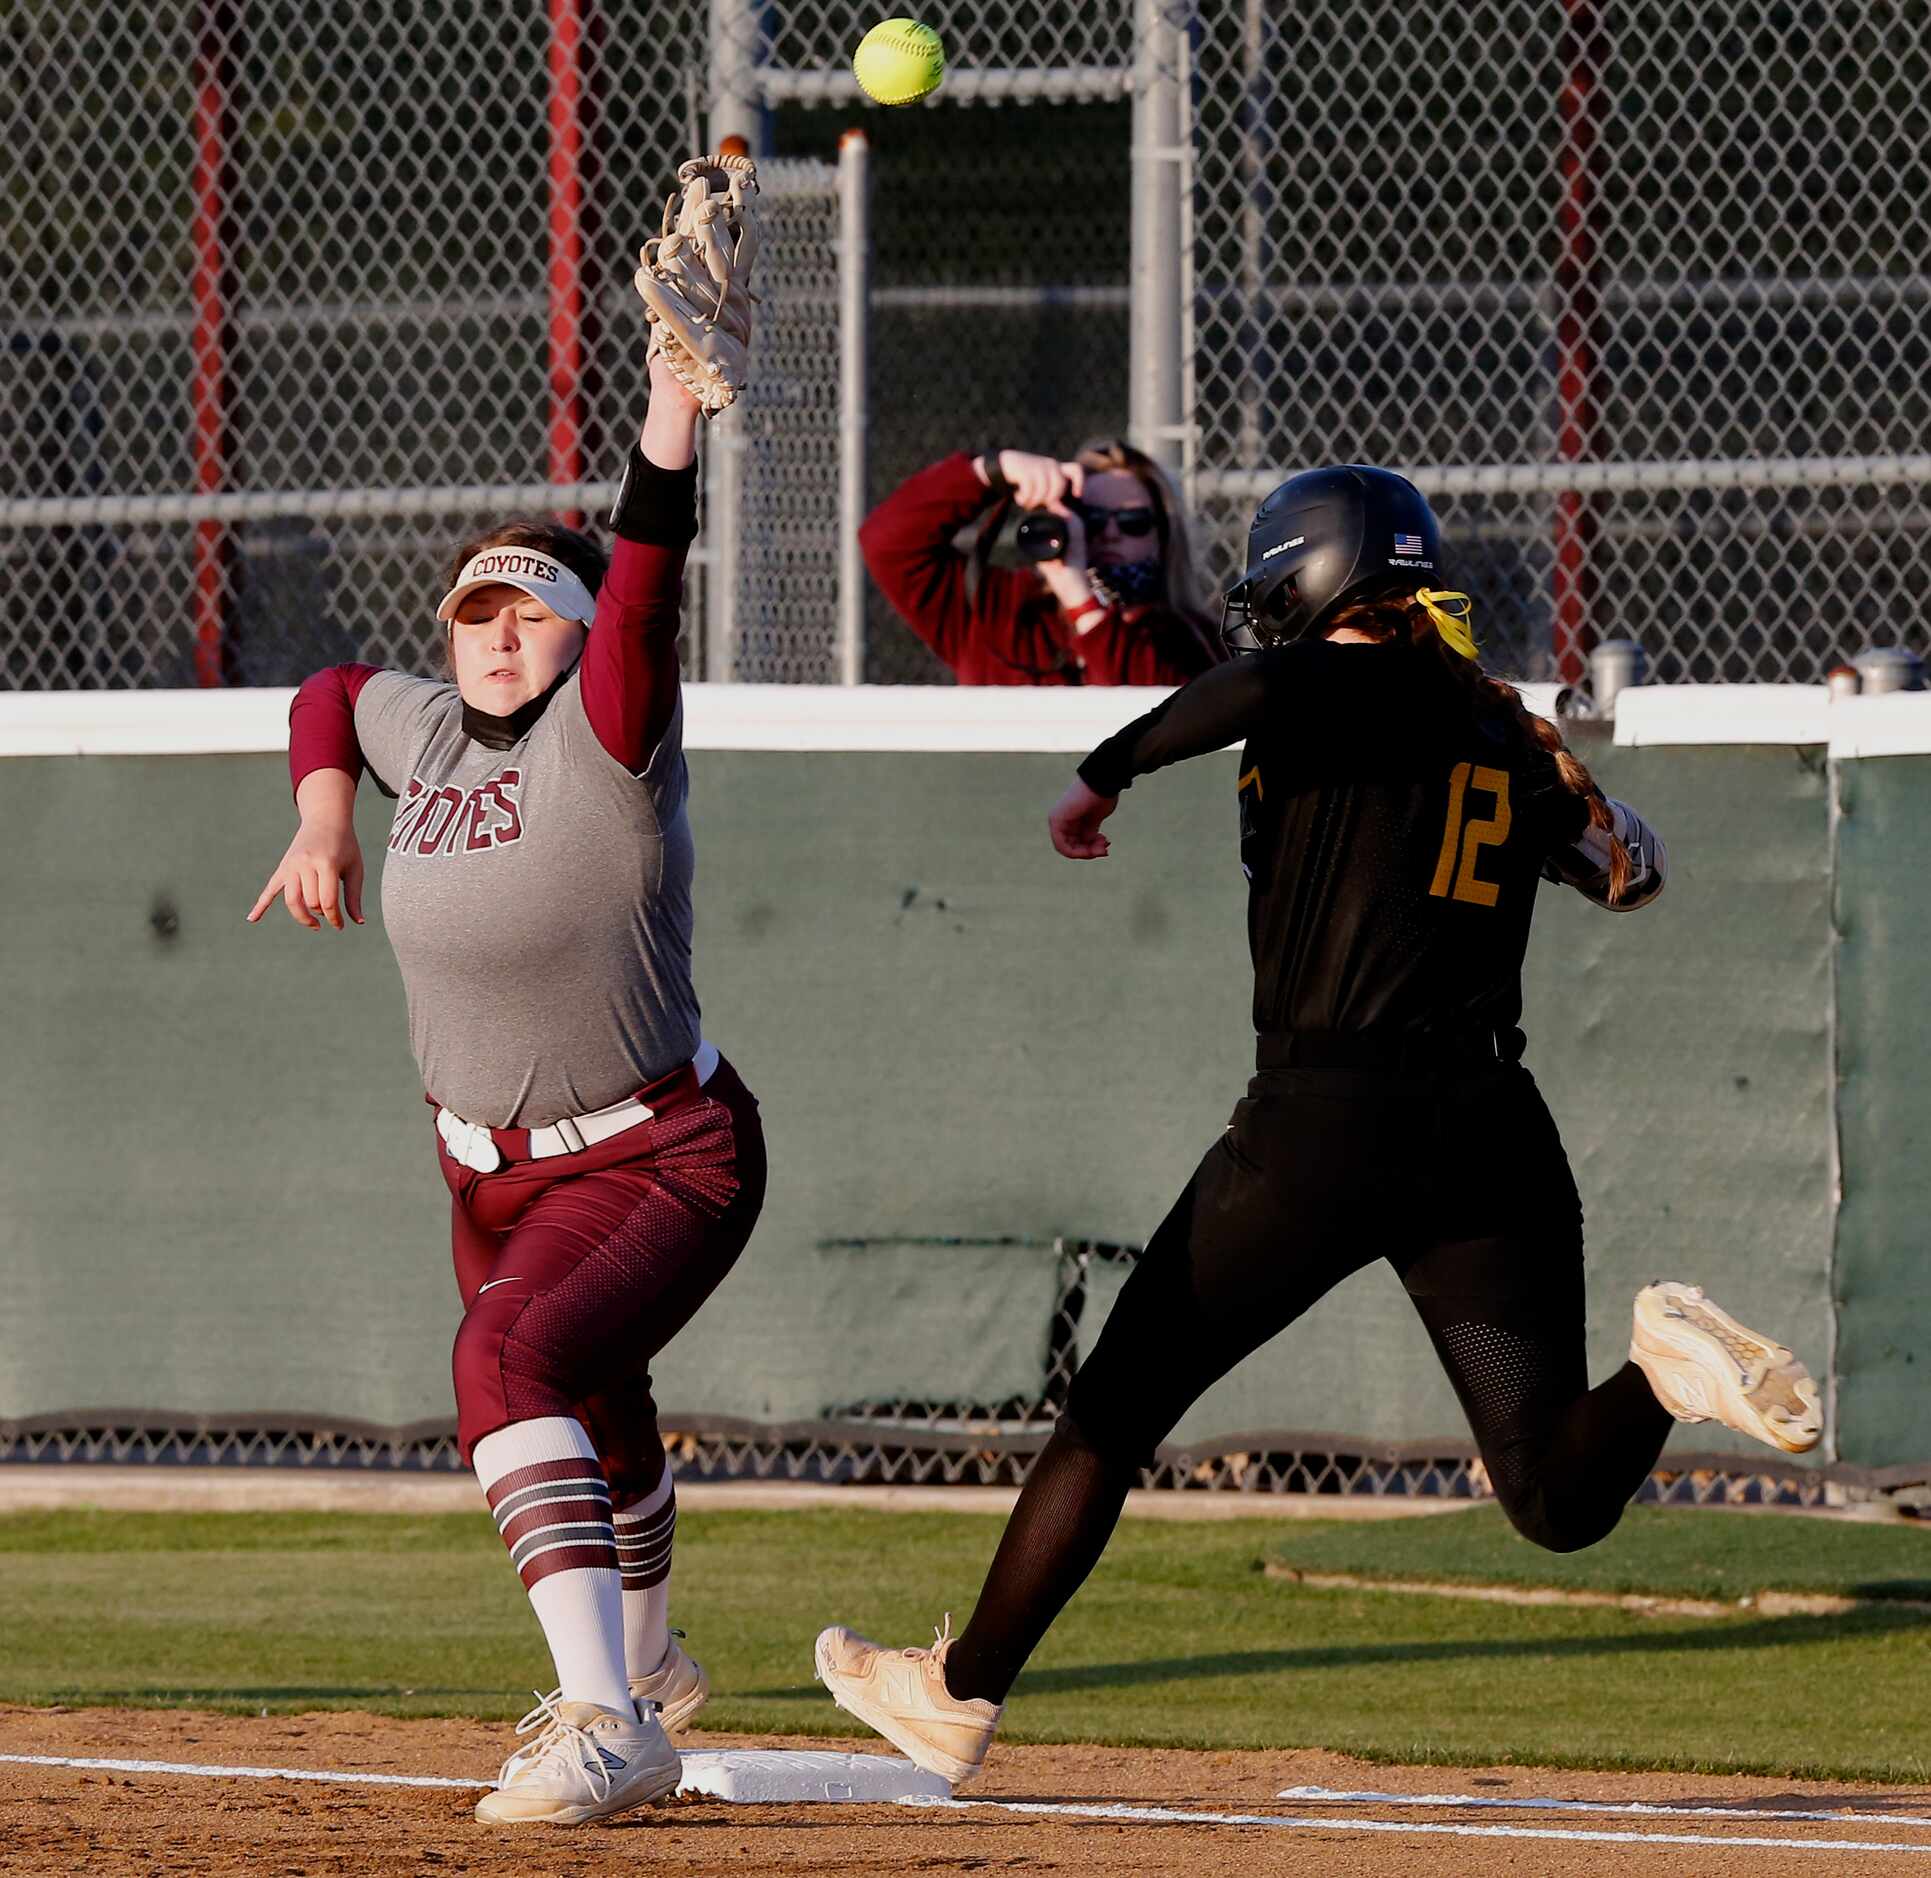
[(504, 792), (449, 820), (438, 817)]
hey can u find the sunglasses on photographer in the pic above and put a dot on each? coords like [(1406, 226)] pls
[(1134, 524)]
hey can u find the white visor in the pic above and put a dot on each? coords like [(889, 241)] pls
[(541, 576)]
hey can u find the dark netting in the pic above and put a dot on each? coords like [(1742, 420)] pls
[(934, 1443)]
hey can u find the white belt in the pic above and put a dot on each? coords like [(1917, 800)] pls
[(472, 1145)]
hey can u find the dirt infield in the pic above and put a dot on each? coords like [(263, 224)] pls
[(63, 1819)]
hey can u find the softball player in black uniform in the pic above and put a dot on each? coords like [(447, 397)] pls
[(1397, 808)]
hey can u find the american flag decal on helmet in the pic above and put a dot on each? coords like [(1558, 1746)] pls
[(1409, 545)]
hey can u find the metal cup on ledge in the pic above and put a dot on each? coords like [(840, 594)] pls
[(1889, 668), (1614, 664)]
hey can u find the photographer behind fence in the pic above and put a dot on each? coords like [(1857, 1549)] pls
[(1108, 594)]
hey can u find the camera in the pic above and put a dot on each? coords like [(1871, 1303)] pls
[(1041, 536)]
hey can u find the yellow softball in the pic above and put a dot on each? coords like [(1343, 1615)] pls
[(898, 62)]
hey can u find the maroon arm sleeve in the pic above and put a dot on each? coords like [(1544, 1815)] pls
[(321, 722), (907, 544), (630, 674)]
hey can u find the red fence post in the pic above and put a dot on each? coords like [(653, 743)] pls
[(212, 235), (1579, 107), (566, 246)]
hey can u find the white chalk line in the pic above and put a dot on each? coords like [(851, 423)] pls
[(1836, 1816), (1174, 1816), (1142, 1815), (328, 1776)]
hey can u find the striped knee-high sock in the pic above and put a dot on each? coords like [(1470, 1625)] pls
[(552, 1506), (644, 1534)]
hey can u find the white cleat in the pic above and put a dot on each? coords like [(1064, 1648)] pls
[(587, 1763), (677, 1688), (902, 1695), (1706, 1367)]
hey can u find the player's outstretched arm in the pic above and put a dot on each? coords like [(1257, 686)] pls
[(630, 679), (1223, 705), (320, 876)]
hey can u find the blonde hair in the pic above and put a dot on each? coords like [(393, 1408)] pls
[(1181, 588), (1397, 615)]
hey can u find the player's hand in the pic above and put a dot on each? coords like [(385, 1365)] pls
[(665, 384), (1039, 482), (319, 876), (669, 434), (1075, 822)]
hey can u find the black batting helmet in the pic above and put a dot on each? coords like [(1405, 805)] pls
[(1323, 539)]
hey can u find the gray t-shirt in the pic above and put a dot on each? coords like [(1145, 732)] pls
[(539, 902)]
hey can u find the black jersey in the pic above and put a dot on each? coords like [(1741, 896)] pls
[(1392, 835)]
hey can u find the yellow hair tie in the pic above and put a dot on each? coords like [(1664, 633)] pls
[(1454, 617)]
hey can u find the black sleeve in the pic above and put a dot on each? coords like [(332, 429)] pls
[(1560, 816), (1225, 704)]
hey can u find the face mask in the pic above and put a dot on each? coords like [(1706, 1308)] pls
[(1131, 583)]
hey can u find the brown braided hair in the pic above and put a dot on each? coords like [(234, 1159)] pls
[(1395, 616)]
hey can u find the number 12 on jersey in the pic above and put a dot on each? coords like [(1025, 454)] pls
[(1466, 838)]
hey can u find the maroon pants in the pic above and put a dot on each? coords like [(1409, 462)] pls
[(575, 1271)]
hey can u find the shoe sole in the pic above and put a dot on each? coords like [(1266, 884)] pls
[(582, 1815), (1697, 1377), (949, 1768)]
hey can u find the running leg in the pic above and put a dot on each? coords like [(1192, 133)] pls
[(1288, 1203), (1564, 1459)]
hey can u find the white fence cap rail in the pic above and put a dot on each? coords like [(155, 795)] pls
[(1898, 723), (1066, 721), (1069, 720), (1658, 714)]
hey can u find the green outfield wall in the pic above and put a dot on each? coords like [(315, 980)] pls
[(217, 1195)]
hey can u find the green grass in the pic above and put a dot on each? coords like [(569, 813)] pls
[(1670, 1551), (1179, 1639)]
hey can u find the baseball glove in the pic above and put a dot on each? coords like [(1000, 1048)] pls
[(696, 278)]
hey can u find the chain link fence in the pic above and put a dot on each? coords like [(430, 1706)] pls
[(1639, 290), (320, 290), (301, 294), (871, 1455), (950, 1443)]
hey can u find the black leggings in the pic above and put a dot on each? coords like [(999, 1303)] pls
[(1460, 1182)]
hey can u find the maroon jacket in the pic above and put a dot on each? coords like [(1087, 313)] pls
[(1012, 631)]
